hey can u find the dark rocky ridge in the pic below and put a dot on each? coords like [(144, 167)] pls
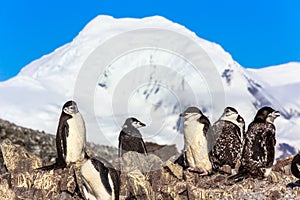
[(43, 145), (151, 177)]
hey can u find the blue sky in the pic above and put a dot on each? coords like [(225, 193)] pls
[(256, 33)]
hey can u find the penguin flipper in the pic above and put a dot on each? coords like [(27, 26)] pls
[(144, 147), (103, 172), (61, 140)]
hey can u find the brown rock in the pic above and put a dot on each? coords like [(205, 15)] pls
[(283, 165), (24, 181), (164, 152), (142, 177), (175, 169), (17, 159), (161, 180), (177, 190), (132, 161), (5, 191), (274, 177), (139, 186), (274, 195)]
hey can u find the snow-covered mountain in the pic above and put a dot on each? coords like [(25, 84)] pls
[(152, 69)]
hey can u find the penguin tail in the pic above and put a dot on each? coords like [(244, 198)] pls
[(47, 168), (182, 161), (57, 165), (240, 176)]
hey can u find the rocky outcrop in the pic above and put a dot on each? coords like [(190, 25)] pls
[(23, 179), (166, 180), (165, 152), (152, 177)]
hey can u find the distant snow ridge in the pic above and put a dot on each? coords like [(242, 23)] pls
[(154, 84)]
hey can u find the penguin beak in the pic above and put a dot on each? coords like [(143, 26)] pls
[(276, 114), (142, 124), (138, 124), (181, 115)]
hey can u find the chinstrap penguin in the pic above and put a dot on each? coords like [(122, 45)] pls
[(196, 126), (226, 140), (70, 137), (100, 180), (259, 148), (130, 138)]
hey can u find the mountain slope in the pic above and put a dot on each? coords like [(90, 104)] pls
[(150, 68)]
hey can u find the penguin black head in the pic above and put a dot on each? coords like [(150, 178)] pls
[(70, 108), (133, 122), (191, 112), (230, 111), (266, 114)]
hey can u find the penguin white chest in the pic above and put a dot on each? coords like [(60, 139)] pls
[(94, 188), (76, 139), (196, 146), (193, 131)]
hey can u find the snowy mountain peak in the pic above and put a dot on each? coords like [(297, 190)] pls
[(285, 74), (150, 68)]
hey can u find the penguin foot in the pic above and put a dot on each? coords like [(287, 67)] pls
[(205, 173), (195, 170)]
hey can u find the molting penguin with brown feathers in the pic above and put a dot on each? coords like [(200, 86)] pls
[(70, 137), (130, 138), (196, 126), (226, 140), (259, 148)]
